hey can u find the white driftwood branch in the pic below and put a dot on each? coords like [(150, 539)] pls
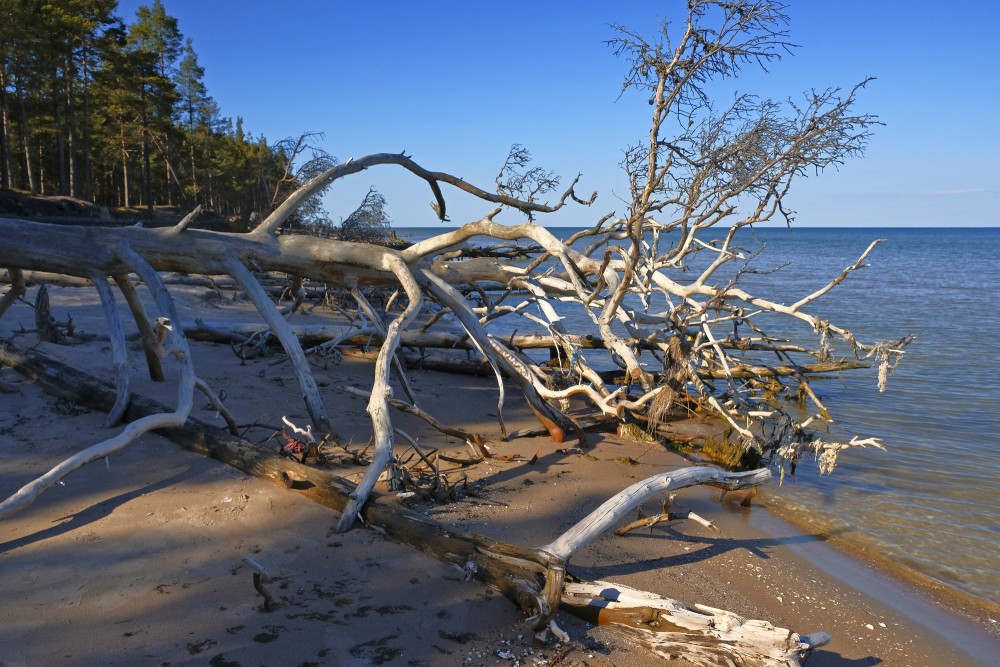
[(839, 279), (216, 402), (378, 404), (619, 506), (279, 327), (119, 351), (134, 430), (376, 322), (450, 297), (705, 636), (305, 433)]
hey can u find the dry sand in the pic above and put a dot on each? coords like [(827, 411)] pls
[(140, 560)]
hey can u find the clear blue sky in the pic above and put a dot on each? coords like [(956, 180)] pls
[(454, 84)]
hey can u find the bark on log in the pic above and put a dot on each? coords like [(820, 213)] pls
[(220, 332), (670, 629), (533, 578)]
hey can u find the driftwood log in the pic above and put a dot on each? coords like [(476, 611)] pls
[(534, 578), (691, 354), (317, 334)]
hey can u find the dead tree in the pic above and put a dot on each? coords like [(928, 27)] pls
[(537, 579), (734, 166), (650, 279)]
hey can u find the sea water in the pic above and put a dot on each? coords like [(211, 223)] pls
[(931, 503)]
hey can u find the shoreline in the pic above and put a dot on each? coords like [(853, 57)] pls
[(141, 561), (970, 623), (976, 608)]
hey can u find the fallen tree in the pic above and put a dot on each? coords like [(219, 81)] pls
[(534, 578), (664, 279)]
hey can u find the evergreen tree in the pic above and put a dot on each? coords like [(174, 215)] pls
[(194, 101), (154, 42), (120, 114)]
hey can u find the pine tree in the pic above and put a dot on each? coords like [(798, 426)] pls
[(154, 41)]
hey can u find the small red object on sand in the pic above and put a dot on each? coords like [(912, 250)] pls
[(293, 446)]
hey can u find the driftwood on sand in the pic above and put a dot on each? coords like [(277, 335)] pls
[(534, 578), (656, 294), (691, 357)]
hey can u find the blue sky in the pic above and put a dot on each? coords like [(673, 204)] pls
[(454, 84)]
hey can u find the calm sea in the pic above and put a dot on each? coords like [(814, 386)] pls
[(932, 502)]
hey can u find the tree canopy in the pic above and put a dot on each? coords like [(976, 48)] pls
[(119, 114)]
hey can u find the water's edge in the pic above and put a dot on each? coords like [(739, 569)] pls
[(927, 510), (968, 623)]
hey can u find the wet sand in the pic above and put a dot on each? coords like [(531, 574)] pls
[(140, 560)]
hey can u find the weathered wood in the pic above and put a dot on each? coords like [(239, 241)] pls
[(45, 325), (618, 289), (378, 403), (669, 628), (279, 327), (417, 412), (143, 325), (533, 578), (15, 292), (379, 325), (119, 353), (134, 430), (221, 332), (616, 508), (44, 278)]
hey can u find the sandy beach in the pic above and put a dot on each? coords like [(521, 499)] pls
[(141, 559)]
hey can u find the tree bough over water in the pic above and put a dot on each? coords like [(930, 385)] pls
[(650, 281), (701, 168)]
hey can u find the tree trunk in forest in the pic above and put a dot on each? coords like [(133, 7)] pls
[(60, 132), (87, 186), (5, 176), (124, 157), (147, 169), (26, 140), (72, 174)]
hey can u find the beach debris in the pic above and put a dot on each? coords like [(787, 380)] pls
[(535, 578), (258, 568), (668, 513), (302, 442), (630, 431), (261, 577), (659, 303), (558, 632), (269, 603)]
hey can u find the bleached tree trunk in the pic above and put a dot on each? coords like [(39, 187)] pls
[(181, 355), (532, 578)]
